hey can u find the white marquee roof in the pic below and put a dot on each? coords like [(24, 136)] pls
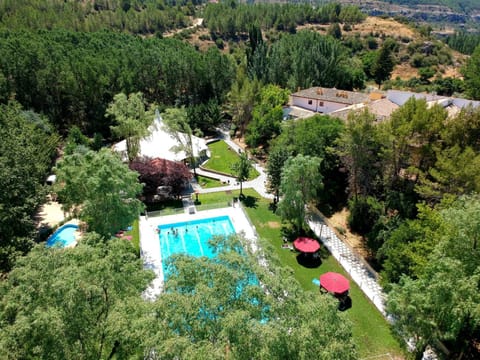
[(160, 144)]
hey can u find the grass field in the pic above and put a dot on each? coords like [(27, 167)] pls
[(135, 234), (207, 183), (370, 330), (222, 158)]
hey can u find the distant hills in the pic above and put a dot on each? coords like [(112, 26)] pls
[(464, 6), (454, 12), (457, 13)]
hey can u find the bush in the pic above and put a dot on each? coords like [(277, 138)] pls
[(425, 74), (364, 213), (372, 43), (219, 43), (417, 60), (381, 231)]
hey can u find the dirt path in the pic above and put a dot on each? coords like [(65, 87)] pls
[(196, 22), (339, 221), (50, 214)]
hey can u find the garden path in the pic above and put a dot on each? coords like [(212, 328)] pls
[(352, 262)]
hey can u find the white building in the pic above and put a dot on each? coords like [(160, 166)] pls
[(326, 100), (160, 144), (340, 103)]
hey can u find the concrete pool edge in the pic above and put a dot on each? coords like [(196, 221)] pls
[(73, 223), (150, 244)]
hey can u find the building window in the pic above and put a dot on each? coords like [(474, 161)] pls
[(320, 103), (310, 102)]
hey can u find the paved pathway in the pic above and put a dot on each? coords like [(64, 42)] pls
[(258, 183), (350, 261)]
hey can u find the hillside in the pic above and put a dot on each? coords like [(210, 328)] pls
[(378, 28), (462, 13), (458, 5)]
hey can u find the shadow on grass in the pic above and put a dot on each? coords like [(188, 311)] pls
[(272, 207), (345, 303), (324, 253), (250, 201), (160, 205), (310, 261)]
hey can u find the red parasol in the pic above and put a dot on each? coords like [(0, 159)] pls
[(334, 282), (306, 245)]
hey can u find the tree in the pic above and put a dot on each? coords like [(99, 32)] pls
[(384, 63), (317, 136), (89, 294), (471, 74), (256, 53), (241, 169), (205, 117), (75, 139), (335, 31), (177, 126), (27, 147), (364, 213), (241, 100), (463, 130), (276, 160), (358, 147), (309, 59), (437, 307), (267, 116), (410, 139), (161, 172), (440, 302), (216, 308), (368, 59), (407, 248), (72, 76), (133, 121), (456, 172), (100, 189), (301, 181)]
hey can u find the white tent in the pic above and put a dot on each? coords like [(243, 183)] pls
[(160, 144)]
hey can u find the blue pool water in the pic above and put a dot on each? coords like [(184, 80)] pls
[(63, 236), (191, 237)]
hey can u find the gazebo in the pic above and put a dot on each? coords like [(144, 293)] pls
[(160, 144)]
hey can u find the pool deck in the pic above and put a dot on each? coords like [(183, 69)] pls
[(150, 242)]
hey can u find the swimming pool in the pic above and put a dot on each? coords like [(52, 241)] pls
[(63, 236), (191, 237)]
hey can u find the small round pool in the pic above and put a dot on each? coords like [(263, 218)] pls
[(64, 236)]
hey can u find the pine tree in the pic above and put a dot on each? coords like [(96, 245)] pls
[(384, 64)]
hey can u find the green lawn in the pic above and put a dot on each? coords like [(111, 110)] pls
[(206, 182), (135, 234), (223, 157), (370, 330)]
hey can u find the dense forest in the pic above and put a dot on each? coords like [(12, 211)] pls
[(140, 17), (72, 76), (68, 71), (463, 42)]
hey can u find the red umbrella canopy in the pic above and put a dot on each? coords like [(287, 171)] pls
[(307, 245), (334, 282)]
